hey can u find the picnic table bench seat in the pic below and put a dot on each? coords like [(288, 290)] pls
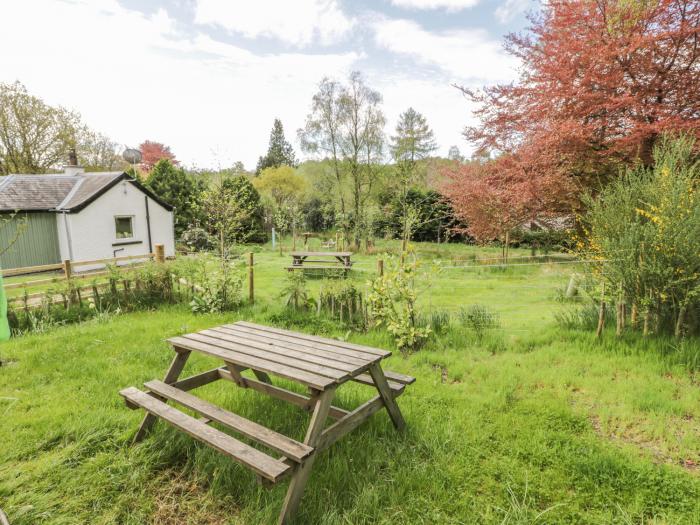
[(318, 363)]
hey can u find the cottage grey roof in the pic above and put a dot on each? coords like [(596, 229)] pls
[(59, 192)]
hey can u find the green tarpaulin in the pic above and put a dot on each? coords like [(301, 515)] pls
[(4, 327)]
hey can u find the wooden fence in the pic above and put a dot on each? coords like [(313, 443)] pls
[(67, 272)]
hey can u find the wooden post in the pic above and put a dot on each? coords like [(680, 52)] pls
[(618, 311), (380, 267), (251, 278), (678, 332), (160, 253), (601, 312), (67, 269), (336, 241)]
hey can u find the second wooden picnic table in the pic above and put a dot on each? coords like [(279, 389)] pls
[(321, 260)]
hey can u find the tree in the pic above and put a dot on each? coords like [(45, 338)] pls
[(454, 154), (414, 141), (179, 189), (322, 135), (434, 219), (97, 152), (253, 227), (34, 137), (600, 81), (362, 140), (279, 151), (284, 191), (152, 152), (347, 125), (495, 197)]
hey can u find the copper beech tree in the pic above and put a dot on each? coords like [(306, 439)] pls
[(600, 81), (494, 197), (152, 152)]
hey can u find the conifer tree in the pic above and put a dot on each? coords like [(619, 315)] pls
[(279, 153)]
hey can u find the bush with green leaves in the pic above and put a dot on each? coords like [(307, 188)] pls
[(197, 239), (478, 318), (644, 229), (392, 304), (295, 292)]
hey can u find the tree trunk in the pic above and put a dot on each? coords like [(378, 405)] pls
[(679, 321)]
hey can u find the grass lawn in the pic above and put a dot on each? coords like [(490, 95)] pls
[(528, 419)]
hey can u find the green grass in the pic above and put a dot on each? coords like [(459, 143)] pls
[(528, 419)]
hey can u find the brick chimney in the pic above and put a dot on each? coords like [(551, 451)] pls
[(72, 167)]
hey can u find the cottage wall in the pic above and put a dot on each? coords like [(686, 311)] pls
[(91, 232)]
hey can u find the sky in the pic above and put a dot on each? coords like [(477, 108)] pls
[(208, 77)]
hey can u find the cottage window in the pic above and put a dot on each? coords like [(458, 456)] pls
[(124, 227)]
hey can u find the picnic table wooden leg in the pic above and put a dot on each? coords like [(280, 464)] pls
[(173, 373), (385, 392), (301, 476)]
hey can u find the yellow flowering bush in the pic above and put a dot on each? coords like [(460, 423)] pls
[(644, 228)]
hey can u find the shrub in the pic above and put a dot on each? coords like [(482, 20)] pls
[(295, 293), (644, 230), (437, 320), (392, 304), (197, 239), (478, 318)]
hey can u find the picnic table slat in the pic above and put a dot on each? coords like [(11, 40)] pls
[(276, 441), (288, 350), (264, 465), (219, 339), (334, 342), (248, 361), (345, 354), (349, 361)]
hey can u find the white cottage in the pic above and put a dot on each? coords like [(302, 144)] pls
[(80, 216)]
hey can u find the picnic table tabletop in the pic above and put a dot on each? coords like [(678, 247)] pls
[(321, 364)]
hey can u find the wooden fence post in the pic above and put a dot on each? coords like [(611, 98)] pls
[(251, 278), (160, 253), (380, 267), (67, 269), (601, 313)]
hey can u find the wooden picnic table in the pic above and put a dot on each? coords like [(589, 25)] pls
[(318, 363), (321, 260)]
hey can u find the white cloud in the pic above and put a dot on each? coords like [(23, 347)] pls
[(510, 9), (464, 54), (450, 5), (137, 77), (297, 22)]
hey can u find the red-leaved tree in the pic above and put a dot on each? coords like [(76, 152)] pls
[(600, 81), (152, 152), (497, 196)]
